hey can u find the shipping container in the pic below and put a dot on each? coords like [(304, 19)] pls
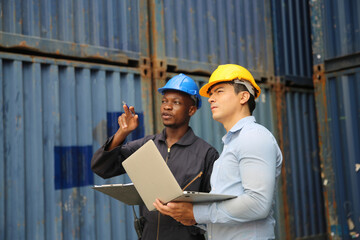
[(100, 30), (342, 28), (199, 35), (344, 118), (335, 29), (302, 186), (66, 66), (54, 115), (292, 42), (339, 100)]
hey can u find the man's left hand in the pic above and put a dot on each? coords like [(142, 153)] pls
[(180, 211)]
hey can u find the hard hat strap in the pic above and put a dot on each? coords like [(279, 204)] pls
[(247, 84)]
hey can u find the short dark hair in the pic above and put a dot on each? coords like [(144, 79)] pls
[(240, 88)]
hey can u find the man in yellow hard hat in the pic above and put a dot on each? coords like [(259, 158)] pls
[(248, 166)]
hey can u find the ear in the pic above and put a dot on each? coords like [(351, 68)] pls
[(192, 110), (244, 97)]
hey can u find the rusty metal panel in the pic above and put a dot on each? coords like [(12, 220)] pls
[(303, 186), (54, 115), (107, 30), (336, 75), (342, 28), (199, 35), (343, 103), (292, 42)]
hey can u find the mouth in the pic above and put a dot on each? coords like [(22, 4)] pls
[(213, 107), (166, 115)]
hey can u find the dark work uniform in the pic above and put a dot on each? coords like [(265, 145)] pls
[(186, 159)]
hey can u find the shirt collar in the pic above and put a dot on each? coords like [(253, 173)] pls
[(238, 126), (188, 138)]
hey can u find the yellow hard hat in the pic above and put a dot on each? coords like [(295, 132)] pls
[(229, 72)]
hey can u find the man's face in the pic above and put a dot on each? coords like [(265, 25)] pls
[(176, 109), (224, 102)]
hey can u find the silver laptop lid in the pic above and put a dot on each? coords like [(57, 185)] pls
[(151, 176)]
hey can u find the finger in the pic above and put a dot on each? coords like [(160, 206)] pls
[(173, 205), (161, 207), (132, 109), (126, 110)]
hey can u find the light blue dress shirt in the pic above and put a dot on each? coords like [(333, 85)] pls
[(248, 168)]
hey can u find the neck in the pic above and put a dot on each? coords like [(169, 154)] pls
[(173, 135), (229, 123)]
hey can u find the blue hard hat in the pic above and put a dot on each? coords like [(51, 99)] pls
[(184, 84)]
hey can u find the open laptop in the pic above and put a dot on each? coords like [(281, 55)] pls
[(153, 179)]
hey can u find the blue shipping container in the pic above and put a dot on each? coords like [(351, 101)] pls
[(343, 119), (54, 115), (199, 35), (93, 29)]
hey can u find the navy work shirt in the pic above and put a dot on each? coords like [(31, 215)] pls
[(186, 159)]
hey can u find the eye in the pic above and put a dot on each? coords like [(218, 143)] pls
[(163, 101), (176, 102), (219, 91)]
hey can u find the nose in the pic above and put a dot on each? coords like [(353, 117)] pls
[(167, 106), (211, 99)]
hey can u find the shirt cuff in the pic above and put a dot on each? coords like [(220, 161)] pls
[(201, 213)]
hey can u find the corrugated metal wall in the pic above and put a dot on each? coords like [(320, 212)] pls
[(199, 35), (342, 35), (344, 118), (55, 114), (107, 30), (292, 43), (336, 47), (302, 188), (302, 169)]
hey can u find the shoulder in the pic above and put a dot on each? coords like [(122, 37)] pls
[(255, 137), (201, 143), (255, 130), (137, 143)]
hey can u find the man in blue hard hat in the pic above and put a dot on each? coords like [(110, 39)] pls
[(186, 154)]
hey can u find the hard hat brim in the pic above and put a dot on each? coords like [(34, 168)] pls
[(204, 89), (198, 102)]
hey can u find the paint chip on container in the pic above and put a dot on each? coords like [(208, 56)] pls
[(325, 182), (350, 224), (357, 167)]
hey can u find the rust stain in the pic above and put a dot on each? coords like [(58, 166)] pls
[(23, 44), (327, 172), (279, 89)]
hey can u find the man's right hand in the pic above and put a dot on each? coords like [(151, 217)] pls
[(128, 122)]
